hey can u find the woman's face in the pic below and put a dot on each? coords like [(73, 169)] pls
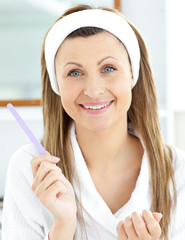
[(95, 80)]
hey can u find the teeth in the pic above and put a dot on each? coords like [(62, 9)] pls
[(97, 107)]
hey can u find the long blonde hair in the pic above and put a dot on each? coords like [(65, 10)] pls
[(143, 115)]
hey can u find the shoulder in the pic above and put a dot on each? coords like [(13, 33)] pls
[(27, 150), (178, 220), (19, 164), (20, 178), (179, 168), (178, 159)]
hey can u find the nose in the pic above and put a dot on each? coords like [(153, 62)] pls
[(94, 87)]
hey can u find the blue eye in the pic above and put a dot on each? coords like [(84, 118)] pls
[(74, 73), (108, 69)]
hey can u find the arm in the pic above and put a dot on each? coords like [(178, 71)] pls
[(23, 216), (56, 193), (62, 231)]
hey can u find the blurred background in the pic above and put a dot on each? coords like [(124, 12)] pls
[(23, 24)]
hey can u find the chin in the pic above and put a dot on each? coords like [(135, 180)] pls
[(97, 126)]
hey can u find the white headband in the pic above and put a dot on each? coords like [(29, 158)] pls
[(106, 20)]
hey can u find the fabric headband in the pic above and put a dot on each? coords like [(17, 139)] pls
[(104, 19)]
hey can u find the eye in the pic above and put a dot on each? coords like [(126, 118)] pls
[(108, 69), (74, 73)]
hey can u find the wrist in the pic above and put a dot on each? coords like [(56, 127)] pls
[(63, 230)]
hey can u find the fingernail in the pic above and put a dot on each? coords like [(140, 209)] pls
[(55, 159), (157, 216), (160, 215)]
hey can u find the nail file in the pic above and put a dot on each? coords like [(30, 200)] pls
[(26, 129)]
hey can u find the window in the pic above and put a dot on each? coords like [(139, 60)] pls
[(22, 28)]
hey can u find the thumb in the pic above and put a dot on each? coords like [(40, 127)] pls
[(157, 216)]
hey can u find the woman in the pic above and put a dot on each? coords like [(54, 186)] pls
[(108, 174)]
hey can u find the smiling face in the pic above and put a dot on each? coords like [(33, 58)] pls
[(95, 80)]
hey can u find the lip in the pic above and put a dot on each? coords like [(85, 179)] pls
[(96, 111)]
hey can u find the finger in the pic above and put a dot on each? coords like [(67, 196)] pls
[(35, 162), (152, 224), (49, 196), (129, 228), (157, 216), (42, 172), (121, 231), (47, 174), (49, 180), (140, 226)]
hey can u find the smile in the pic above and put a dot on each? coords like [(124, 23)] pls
[(96, 108)]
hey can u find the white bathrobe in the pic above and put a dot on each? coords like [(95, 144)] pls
[(25, 218)]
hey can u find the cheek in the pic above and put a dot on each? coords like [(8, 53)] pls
[(123, 92), (67, 91), (126, 98), (68, 99)]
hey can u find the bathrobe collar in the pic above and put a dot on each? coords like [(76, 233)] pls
[(92, 202)]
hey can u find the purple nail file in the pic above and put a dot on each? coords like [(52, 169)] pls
[(26, 129)]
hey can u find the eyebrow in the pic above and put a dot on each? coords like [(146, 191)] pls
[(99, 62)]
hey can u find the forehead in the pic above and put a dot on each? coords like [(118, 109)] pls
[(100, 43)]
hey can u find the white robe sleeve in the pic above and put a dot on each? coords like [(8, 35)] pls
[(24, 217)]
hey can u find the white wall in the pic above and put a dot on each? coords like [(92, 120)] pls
[(149, 18), (161, 23), (175, 31)]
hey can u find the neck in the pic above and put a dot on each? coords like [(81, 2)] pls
[(106, 149)]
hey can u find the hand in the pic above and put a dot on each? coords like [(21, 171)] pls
[(52, 188), (137, 227)]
